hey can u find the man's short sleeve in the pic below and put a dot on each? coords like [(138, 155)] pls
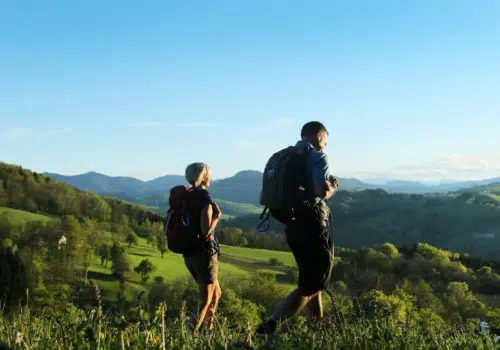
[(320, 167)]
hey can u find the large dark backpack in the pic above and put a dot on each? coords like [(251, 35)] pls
[(178, 228), (283, 183)]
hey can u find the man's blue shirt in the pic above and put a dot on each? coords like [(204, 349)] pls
[(317, 169)]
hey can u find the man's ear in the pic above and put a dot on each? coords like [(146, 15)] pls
[(319, 136)]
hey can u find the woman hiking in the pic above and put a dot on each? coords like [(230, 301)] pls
[(201, 258)]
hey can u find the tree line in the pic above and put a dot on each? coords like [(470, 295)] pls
[(33, 192)]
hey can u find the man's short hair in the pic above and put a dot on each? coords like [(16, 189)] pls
[(312, 128)]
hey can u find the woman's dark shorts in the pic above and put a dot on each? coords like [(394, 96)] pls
[(204, 268)]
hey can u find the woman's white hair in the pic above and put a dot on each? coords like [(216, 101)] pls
[(195, 172)]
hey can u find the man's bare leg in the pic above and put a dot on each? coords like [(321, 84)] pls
[(315, 307), (291, 305)]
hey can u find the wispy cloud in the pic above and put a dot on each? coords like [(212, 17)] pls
[(281, 123), (452, 167), (16, 133), (145, 124), (59, 131), (242, 145), (197, 125), (273, 125), (471, 162)]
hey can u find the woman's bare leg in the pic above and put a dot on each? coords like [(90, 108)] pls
[(213, 305), (206, 295)]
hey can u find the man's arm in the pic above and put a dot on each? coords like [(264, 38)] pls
[(261, 197), (321, 177)]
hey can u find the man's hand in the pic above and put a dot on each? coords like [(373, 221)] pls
[(333, 181)]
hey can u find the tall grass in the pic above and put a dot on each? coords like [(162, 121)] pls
[(94, 329)]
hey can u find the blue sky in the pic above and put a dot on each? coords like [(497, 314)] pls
[(408, 89)]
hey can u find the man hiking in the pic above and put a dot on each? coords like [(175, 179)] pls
[(296, 185)]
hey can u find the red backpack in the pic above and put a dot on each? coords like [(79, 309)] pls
[(178, 229)]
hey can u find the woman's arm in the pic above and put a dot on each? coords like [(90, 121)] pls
[(217, 213), (210, 216), (206, 219)]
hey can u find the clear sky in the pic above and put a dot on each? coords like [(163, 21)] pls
[(408, 89)]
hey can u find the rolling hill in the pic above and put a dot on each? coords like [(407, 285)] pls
[(229, 209), (243, 187), (463, 222), (489, 188), (120, 186)]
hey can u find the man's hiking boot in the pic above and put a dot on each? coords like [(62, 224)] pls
[(267, 327)]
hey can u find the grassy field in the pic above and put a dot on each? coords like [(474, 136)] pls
[(22, 217), (229, 209), (495, 197), (234, 261)]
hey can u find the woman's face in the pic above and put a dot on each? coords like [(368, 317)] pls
[(208, 178)]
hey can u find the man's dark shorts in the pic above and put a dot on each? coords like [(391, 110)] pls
[(311, 243)]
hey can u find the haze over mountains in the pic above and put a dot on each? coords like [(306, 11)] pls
[(243, 187)]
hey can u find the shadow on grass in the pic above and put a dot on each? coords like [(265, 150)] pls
[(101, 276), (140, 254), (250, 264)]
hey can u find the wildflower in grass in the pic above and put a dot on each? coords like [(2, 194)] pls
[(155, 340), (101, 335), (19, 338)]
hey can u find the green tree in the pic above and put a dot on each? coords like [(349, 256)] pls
[(161, 242), (7, 227), (13, 278), (130, 239), (389, 249), (3, 195), (120, 265), (92, 237), (104, 252), (145, 268), (116, 251)]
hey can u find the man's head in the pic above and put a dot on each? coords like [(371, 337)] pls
[(316, 134)]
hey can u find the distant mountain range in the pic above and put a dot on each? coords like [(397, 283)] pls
[(120, 185), (243, 187)]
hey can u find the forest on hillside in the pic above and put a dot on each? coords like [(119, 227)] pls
[(467, 222), (26, 190)]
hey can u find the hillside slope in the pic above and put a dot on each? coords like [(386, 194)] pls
[(460, 222), (160, 204), (26, 190)]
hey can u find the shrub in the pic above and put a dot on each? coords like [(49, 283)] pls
[(276, 262)]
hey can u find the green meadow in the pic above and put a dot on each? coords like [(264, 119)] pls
[(234, 262)]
